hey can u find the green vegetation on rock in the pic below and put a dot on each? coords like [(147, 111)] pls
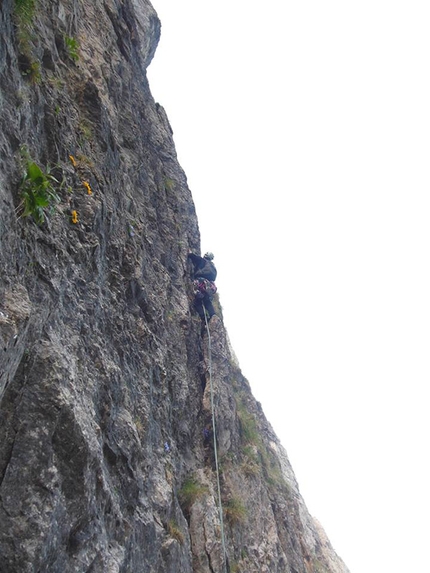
[(38, 192), (190, 491)]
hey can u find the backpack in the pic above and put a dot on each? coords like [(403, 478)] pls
[(208, 271)]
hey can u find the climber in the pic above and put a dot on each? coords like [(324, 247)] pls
[(204, 286), (207, 435)]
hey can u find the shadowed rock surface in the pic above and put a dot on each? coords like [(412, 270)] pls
[(104, 380)]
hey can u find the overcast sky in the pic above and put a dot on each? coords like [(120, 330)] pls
[(304, 131)]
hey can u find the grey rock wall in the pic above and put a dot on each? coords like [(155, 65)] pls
[(104, 369)]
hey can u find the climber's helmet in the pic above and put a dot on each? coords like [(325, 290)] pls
[(209, 256)]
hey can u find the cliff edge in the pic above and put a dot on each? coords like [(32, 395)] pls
[(105, 371)]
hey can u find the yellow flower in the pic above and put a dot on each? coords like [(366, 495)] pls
[(87, 187), (74, 216), (73, 160)]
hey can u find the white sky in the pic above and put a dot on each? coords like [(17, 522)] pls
[(304, 131)]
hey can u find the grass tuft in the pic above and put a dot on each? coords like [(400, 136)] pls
[(190, 491), (38, 192), (175, 532), (235, 511)]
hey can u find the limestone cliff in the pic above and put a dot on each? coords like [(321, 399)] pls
[(104, 367)]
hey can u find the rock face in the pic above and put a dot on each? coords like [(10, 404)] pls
[(105, 372)]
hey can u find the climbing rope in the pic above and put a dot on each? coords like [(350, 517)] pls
[(215, 446)]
